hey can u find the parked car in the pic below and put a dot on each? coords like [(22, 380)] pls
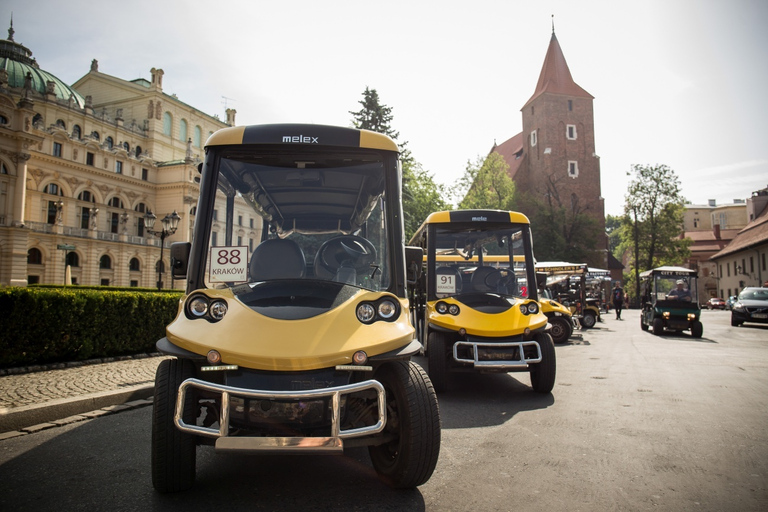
[(715, 303), (751, 306), (730, 302)]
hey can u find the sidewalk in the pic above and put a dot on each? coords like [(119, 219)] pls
[(36, 400)]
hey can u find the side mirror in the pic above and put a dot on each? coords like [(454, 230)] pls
[(413, 260), (541, 280), (180, 259)]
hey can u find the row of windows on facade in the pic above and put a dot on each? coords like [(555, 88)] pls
[(77, 132), (740, 270), (90, 159), (35, 257), (570, 134), (34, 279)]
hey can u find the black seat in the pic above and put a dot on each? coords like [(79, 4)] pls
[(277, 258)]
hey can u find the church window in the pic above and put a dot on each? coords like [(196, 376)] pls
[(570, 105), (570, 132), (573, 168), (534, 138)]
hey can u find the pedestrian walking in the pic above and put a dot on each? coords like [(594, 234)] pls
[(618, 299)]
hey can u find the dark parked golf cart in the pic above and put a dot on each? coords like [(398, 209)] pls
[(670, 301)]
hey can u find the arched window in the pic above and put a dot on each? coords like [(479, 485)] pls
[(95, 135), (138, 150), (134, 265), (3, 168), (53, 189), (115, 202), (73, 260), (86, 195), (34, 257), (183, 130), (3, 120), (76, 132), (126, 146), (193, 210), (37, 120), (141, 208), (167, 123), (61, 124), (105, 262), (109, 142), (198, 137)]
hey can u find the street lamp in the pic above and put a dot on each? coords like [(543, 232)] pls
[(170, 223)]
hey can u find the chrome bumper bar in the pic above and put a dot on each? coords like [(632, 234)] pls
[(280, 444), (497, 363)]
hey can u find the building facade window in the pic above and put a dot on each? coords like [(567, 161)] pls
[(105, 262), (198, 138), (34, 257), (119, 167), (52, 212), (144, 174), (57, 149), (85, 217), (573, 169), (183, 130), (89, 158), (77, 132), (570, 132), (534, 138), (114, 222), (167, 123), (116, 202), (134, 265), (570, 105), (109, 142), (73, 260)]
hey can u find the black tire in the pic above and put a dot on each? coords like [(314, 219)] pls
[(173, 451), (588, 321), (697, 329), (543, 373), (413, 418), (561, 329), (643, 325), (437, 360), (658, 326), (734, 322)]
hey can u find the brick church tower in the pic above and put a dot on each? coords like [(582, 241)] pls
[(554, 158)]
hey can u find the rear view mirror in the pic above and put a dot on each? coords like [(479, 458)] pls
[(413, 259), (180, 259)]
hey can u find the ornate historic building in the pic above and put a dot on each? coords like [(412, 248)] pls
[(81, 166), (554, 157)]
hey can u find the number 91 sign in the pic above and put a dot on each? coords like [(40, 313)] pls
[(229, 264)]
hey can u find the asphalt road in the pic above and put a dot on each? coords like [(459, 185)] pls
[(635, 422)]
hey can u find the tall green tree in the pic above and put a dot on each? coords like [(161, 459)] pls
[(486, 184), (421, 194), (653, 221)]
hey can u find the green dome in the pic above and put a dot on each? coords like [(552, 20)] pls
[(17, 61)]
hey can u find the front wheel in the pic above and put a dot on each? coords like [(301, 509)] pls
[(437, 360), (658, 326), (734, 322), (173, 451), (643, 325), (543, 373), (588, 321), (408, 459), (697, 329), (561, 329)]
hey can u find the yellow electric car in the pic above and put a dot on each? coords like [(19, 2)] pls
[(567, 284), (476, 306), (560, 317), (294, 335)]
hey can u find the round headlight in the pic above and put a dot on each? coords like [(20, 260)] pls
[(198, 306), (365, 312), (441, 308), (214, 357), (218, 309), (453, 309), (523, 309), (387, 309), (359, 357), (533, 308)]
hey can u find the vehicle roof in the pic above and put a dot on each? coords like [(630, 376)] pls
[(671, 270), (303, 134)]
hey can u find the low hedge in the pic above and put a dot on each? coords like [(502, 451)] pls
[(52, 325)]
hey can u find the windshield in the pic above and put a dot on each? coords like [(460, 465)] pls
[(754, 294), (321, 216), (676, 287), (491, 259)]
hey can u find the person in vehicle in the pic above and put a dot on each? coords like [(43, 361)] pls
[(680, 293)]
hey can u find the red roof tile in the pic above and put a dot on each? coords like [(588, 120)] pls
[(555, 76)]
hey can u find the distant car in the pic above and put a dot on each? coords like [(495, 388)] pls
[(751, 306), (715, 303), (730, 302)]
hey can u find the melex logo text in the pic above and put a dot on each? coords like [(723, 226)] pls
[(481, 219), (300, 138)]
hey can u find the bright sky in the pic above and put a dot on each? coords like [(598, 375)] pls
[(676, 82)]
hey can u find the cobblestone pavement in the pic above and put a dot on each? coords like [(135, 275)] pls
[(38, 387)]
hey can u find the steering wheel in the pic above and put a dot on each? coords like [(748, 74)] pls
[(499, 278), (345, 250)]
